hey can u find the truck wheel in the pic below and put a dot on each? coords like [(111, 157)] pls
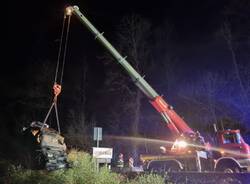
[(164, 166), (173, 167), (228, 165), (156, 167), (229, 169)]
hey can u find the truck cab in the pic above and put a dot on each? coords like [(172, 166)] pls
[(234, 152), (231, 143)]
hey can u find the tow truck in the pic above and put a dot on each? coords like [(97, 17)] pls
[(189, 151)]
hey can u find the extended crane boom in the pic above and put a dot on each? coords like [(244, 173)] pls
[(174, 122), (233, 154)]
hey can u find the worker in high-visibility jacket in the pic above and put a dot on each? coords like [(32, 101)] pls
[(120, 162)]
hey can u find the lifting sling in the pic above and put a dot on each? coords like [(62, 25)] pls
[(57, 86)]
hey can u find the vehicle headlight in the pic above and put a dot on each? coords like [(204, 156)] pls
[(181, 144)]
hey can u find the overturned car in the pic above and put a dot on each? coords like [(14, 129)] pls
[(51, 148)]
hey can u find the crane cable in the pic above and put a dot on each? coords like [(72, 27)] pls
[(57, 87)]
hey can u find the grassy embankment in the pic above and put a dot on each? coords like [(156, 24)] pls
[(82, 172)]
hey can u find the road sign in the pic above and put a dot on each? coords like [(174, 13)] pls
[(97, 133), (102, 156), (105, 153)]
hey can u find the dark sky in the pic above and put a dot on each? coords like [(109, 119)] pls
[(34, 28), (193, 20), (35, 25)]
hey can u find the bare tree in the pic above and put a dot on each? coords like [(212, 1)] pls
[(35, 97), (77, 122), (236, 32), (164, 55), (203, 106), (227, 34), (132, 39), (245, 72)]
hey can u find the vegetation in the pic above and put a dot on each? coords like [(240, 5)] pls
[(150, 178), (82, 171)]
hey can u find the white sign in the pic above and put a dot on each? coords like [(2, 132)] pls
[(102, 152), (97, 133)]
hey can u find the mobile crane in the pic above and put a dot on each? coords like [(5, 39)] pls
[(233, 154)]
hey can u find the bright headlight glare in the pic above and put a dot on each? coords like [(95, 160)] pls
[(181, 144)]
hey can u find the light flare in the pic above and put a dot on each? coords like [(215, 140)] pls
[(164, 142), (181, 144)]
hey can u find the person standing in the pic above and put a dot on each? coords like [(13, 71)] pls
[(130, 162), (120, 162)]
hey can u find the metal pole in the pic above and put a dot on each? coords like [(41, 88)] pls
[(97, 141), (97, 165)]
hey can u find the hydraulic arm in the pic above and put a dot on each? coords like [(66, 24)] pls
[(174, 122)]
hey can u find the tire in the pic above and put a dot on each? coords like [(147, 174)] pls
[(229, 169), (172, 168), (164, 166)]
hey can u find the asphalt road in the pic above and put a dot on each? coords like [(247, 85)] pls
[(208, 178)]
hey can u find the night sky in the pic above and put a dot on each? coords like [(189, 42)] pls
[(29, 23), (34, 27), (34, 31), (194, 21)]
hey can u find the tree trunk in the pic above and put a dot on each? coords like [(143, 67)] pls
[(136, 121)]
